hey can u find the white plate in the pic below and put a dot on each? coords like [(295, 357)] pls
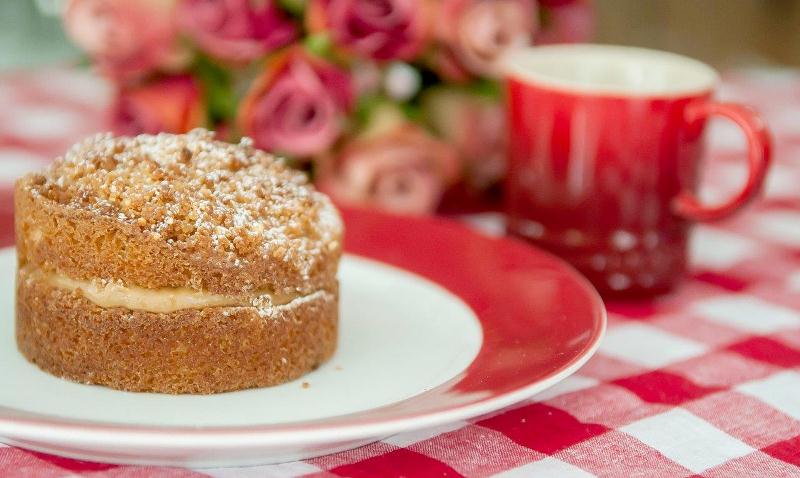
[(396, 340), (484, 328)]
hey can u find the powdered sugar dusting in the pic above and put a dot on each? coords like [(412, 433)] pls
[(195, 192)]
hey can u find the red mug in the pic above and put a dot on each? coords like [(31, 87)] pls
[(604, 154)]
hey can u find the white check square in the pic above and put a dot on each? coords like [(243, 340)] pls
[(747, 313), (782, 180), (780, 226), (648, 346), (547, 467), (793, 282), (687, 439), (780, 391), (719, 250)]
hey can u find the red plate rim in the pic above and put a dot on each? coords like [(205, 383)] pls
[(541, 321)]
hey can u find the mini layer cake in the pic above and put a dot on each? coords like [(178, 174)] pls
[(175, 264)]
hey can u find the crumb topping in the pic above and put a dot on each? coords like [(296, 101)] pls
[(195, 192)]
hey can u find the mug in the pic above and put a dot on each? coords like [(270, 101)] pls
[(604, 158)]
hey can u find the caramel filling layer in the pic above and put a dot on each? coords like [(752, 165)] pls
[(109, 294)]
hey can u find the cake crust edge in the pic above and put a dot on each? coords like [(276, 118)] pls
[(197, 351)]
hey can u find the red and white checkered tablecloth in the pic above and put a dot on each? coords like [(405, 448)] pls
[(702, 382)]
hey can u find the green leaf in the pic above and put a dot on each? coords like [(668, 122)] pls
[(295, 7), (319, 44), (218, 89), (366, 104), (413, 112), (486, 87)]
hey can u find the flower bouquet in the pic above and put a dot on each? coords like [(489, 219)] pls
[(387, 103)]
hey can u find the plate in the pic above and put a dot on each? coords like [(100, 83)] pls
[(438, 324)]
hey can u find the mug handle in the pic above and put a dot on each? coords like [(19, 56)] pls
[(759, 156)]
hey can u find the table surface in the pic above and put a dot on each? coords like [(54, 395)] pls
[(704, 381)]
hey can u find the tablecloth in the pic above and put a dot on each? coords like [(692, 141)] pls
[(702, 382)]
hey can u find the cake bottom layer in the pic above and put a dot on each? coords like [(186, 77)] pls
[(201, 351)]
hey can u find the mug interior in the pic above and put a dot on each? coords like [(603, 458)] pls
[(610, 70)]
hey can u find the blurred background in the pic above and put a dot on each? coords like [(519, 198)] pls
[(725, 33)]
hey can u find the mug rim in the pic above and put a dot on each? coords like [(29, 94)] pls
[(513, 68)]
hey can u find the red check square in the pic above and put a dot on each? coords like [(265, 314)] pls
[(769, 351), (69, 464), (542, 428), (397, 464), (725, 281), (786, 450), (664, 387)]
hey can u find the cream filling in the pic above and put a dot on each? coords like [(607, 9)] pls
[(109, 294)]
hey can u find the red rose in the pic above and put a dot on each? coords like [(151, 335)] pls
[(124, 38), (297, 105), (236, 30), (477, 33), (569, 21), (404, 170), (378, 29), (172, 104)]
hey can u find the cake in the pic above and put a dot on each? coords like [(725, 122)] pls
[(175, 264)]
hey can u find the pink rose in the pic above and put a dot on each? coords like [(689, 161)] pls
[(297, 106), (171, 104), (125, 39), (477, 32), (236, 30), (475, 125), (404, 170), (568, 21), (378, 29)]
